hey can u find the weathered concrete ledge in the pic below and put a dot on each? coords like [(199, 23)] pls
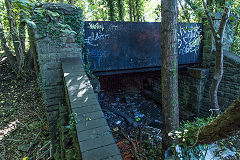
[(94, 136)]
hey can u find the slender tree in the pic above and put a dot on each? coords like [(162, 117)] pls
[(120, 4), (169, 71), (130, 6), (14, 46), (218, 37), (111, 13)]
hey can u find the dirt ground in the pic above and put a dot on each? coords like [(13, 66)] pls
[(23, 124)]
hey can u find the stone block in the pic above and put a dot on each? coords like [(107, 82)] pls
[(116, 157), (198, 72), (93, 133), (71, 65), (52, 116), (97, 154), (52, 102), (52, 108), (91, 124), (86, 109), (83, 117), (97, 142), (87, 100), (54, 91), (83, 98)]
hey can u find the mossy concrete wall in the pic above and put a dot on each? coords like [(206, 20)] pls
[(50, 54)]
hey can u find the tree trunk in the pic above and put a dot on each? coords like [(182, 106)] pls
[(120, 10), (218, 37), (217, 77), (138, 10), (130, 10), (170, 107), (223, 126), (15, 36), (111, 10), (11, 59), (22, 34)]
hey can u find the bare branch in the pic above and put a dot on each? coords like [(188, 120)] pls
[(184, 11), (210, 19), (224, 20)]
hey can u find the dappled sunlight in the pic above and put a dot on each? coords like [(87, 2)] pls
[(12, 126), (82, 92), (3, 59), (66, 74), (81, 77)]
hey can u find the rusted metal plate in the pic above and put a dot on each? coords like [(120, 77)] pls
[(114, 46)]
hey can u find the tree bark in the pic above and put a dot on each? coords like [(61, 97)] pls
[(218, 37), (22, 34), (111, 10), (169, 79), (130, 9), (15, 37), (223, 126), (11, 59), (120, 10)]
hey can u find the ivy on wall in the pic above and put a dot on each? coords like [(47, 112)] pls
[(55, 24)]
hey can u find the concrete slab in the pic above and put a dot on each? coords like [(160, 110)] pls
[(91, 124), (116, 157), (96, 142), (101, 153), (83, 117), (83, 98), (93, 133), (72, 65), (86, 109), (86, 101)]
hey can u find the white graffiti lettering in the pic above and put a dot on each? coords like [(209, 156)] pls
[(95, 26), (93, 39), (189, 40)]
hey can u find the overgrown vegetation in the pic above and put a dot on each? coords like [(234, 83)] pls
[(18, 18), (23, 127)]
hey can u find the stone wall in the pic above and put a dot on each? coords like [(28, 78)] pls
[(191, 84), (50, 54), (229, 88)]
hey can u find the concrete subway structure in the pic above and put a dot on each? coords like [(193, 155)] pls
[(58, 63)]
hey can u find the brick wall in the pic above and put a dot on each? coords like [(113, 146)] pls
[(229, 88), (51, 75)]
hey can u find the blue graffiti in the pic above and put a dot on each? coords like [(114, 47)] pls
[(97, 53), (94, 37)]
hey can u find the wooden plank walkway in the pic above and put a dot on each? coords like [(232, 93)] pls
[(94, 135)]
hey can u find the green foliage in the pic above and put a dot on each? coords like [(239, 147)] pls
[(57, 25), (235, 30), (187, 136)]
